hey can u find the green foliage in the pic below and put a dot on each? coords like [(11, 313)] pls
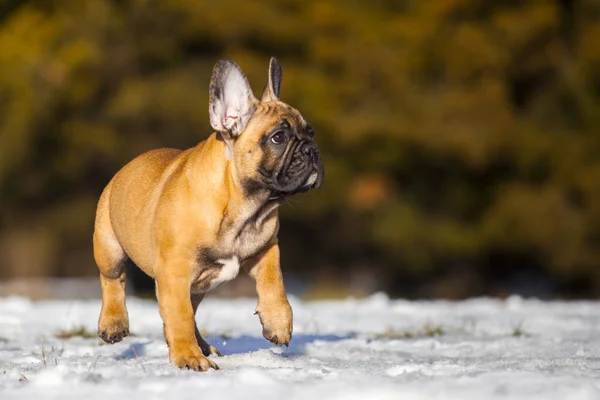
[(78, 331), (427, 331), (450, 130), (518, 333)]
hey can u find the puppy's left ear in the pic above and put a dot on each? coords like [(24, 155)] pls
[(231, 102), (271, 92)]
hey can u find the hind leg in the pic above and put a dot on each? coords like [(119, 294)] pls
[(206, 348), (113, 324)]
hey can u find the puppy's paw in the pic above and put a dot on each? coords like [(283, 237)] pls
[(191, 357), (209, 349), (113, 330), (276, 320)]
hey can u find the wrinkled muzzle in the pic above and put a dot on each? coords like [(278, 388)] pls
[(301, 170)]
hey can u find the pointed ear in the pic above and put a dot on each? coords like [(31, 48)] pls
[(231, 102), (271, 92)]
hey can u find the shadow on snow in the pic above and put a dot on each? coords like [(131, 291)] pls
[(243, 344), (248, 344)]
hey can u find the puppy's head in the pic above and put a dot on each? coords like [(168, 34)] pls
[(269, 142)]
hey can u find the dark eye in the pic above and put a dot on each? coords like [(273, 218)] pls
[(310, 131), (278, 137)]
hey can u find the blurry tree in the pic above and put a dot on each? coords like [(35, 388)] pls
[(461, 137)]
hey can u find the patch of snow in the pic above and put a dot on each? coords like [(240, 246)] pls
[(373, 348)]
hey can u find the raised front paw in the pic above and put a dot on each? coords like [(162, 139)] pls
[(190, 357), (276, 320)]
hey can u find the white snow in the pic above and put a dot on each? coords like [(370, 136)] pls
[(351, 349)]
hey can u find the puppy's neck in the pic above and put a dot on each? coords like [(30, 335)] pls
[(239, 209)]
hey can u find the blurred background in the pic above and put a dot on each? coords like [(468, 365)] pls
[(461, 138)]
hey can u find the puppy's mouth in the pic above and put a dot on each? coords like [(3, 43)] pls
[(276, 195), (312, 182)]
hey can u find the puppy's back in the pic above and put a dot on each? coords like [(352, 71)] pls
[(133, 195)]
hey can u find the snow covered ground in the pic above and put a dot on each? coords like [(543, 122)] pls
[(373, 348)]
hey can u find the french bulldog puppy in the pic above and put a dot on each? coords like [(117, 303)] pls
[(190, 219)]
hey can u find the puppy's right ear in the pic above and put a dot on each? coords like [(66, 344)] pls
[(231, 102)]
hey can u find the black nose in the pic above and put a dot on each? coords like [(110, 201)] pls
[(310, 150), (307, 149)]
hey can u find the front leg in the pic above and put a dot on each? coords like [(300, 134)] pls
[(175, 306), (273, 307)]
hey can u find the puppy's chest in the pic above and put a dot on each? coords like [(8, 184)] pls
[(220, 262)]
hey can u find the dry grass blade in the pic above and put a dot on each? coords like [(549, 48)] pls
[(93, 364), (137, 357)]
